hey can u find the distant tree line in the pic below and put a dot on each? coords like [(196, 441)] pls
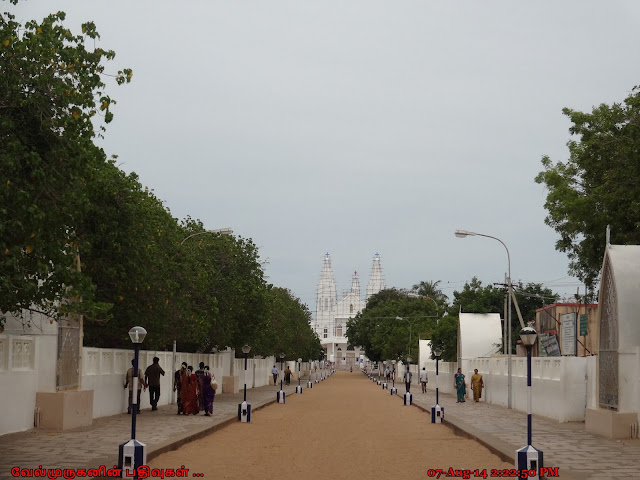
[(394, 320)]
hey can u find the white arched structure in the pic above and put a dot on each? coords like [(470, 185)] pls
[(616, 413)]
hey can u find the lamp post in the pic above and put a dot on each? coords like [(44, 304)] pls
[(244, 408), (385, 385), (437, 412), (133, 454), (394, 390), (299, 387), (309, 383), (409, 321), (408, 397), (465, 233), (280, 396), (219, 231), (528, 457)]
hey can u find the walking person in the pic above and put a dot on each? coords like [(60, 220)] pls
[(129, 383), (199, 375), (275, 372), (424, 379), (460, 386), (476, 385), (177, 384), (152, 378), (387, 374), (407, 379), (189, 392), (208, 391), (287, 375)]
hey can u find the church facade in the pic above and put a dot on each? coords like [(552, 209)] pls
[(332, 314)]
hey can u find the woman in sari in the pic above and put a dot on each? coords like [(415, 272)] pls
[(208, 393), (476, 385), (461, 386), (189, 392)]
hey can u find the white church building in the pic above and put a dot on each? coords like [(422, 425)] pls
[(332, 314)]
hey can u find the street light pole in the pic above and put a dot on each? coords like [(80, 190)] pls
[(529, 458), (394, 390), (465, 233), (220, 231), (280, 396), (437, 412), (133, 454), (409, 322), (244, 408), (299, 387), (408, 397)]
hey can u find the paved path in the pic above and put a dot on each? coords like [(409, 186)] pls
[(578, 454)]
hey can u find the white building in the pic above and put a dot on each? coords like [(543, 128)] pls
[(332, 315)]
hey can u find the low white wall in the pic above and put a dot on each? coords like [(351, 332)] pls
[(559, 384), (26, 366)]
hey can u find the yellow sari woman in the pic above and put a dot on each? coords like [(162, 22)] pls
[(476, 385)]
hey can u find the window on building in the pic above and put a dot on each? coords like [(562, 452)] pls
[(351, 308), (324, 334), (339, 330)]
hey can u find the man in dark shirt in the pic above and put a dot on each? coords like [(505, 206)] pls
[(177, 384), (152, 377)]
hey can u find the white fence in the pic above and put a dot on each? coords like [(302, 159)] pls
[(28, 365), (561, 386)]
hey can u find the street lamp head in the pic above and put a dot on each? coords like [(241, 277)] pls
[(384, 363), (137, 334), (246, 349), (299, 360), (528, 336), (463, 233), (393, 362), (281, 354), (437, 352), (409, 359)]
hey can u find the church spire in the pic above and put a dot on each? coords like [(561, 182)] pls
[(355, 284), (376, 280), (327, 296)]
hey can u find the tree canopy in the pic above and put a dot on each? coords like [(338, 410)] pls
[(78, 235), (597, 186), (52, 91)]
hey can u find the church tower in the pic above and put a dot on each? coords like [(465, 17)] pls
[(326, 298), (376, 279)]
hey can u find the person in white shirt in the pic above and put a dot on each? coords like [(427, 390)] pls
[(275, 372), (424, 380)]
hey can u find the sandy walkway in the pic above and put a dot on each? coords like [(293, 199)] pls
[(343, 428)]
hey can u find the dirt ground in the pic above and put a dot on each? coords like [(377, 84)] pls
[(346, 427)]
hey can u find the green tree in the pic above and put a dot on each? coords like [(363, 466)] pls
[(51, 93), (599, 185), (445, 336), (476, 298), (391, 325)]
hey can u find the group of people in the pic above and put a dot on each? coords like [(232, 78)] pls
[(196, 390), (461, 386), (287, 375), (151, 379), (477, 383)]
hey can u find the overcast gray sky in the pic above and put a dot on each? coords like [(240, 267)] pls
[(361, 126)]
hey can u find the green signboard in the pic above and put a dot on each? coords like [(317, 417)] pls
[(583, 324)]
